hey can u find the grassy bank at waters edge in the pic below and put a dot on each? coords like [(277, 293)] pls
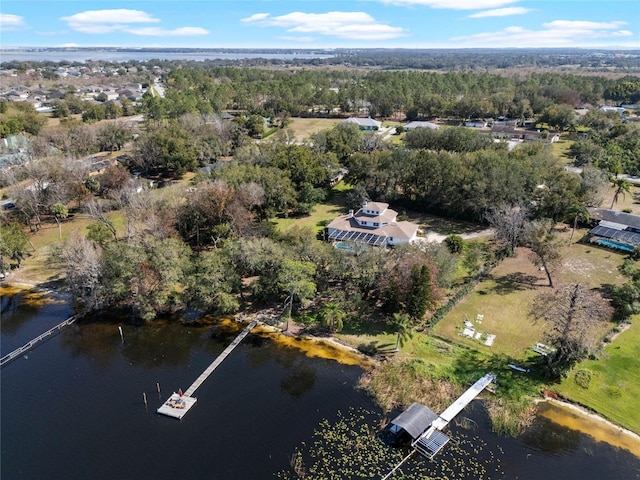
[(609, 385)]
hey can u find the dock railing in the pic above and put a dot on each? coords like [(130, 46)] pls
[(32, 343)]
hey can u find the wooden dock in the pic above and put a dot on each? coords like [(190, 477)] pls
[(177, 405), (28, 346), (465, 399)]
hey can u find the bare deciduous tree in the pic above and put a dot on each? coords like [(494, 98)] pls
[(81, 261), (509, 223), (97, 211), (574, 320)]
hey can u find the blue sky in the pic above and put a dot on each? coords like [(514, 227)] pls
[(322, 24)]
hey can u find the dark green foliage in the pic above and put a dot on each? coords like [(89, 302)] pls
[(421, 298), (455, 139), (13, 245), (454, 243), (626, 298), (211, 283)]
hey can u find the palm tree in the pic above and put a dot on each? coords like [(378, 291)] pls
[(623, 186), (578, 212), (404, 329), (332, 316)]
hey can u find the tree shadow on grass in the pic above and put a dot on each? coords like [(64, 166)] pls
[(514, 282), (471, 365)]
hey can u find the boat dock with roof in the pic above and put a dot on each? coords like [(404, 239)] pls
[(178, 404), (426, 427)]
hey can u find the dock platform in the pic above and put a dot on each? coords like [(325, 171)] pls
[(178, 405)]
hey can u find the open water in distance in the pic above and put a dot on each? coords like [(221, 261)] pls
[(129, 55), (72, 408)]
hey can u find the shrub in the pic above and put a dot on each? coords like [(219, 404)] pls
[(454, 243), (583, 378)]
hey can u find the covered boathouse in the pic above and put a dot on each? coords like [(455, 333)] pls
[(415, 421)]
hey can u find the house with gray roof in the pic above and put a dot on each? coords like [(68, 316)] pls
[(416, 124), (365, 123), (617, 230)]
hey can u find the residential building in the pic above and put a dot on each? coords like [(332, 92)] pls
[(416, 124), (374, 224), (615, 229), (365, 123)]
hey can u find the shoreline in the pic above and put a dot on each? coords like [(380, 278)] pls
[(331, 348), (607, 431)]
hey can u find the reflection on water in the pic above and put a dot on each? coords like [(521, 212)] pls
[(551, 438)]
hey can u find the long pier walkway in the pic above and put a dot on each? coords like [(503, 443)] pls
[(433, 439), (28, 346), (177, 406)]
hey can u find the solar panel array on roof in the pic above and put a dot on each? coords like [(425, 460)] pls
[(360, 237), (624, 236), (431, 444)]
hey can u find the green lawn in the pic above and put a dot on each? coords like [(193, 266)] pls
[(322, 213), (506, 296), (614, 390), (561, 150)]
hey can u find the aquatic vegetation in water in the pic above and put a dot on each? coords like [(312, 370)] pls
[(354, 446)]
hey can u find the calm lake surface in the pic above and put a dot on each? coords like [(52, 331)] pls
[(141, 56), (72, 408)]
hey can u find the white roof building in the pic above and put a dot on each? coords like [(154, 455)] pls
[(417, 124), (365, 123), (374, 224)]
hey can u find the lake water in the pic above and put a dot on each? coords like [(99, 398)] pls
[(73, 408), (143, 56)]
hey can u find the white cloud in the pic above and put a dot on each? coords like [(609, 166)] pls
[(559, 33), (125, 20), (582, 25), (502, 12), (349, 25), (162, 32), (10, 22), (454, 4)]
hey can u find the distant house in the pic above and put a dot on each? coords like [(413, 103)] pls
[(507, 132), (618, 110), (339, 175), (615, 229), (374, 224), (512, 122), (476, 123), (415, 124), (365, 123), (547, 137)]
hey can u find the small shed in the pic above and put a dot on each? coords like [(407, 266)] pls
[(414, 420)]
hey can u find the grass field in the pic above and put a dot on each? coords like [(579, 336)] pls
[(34, 268), (303, 127), (614, 389), (561, 150), (506, 296)]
